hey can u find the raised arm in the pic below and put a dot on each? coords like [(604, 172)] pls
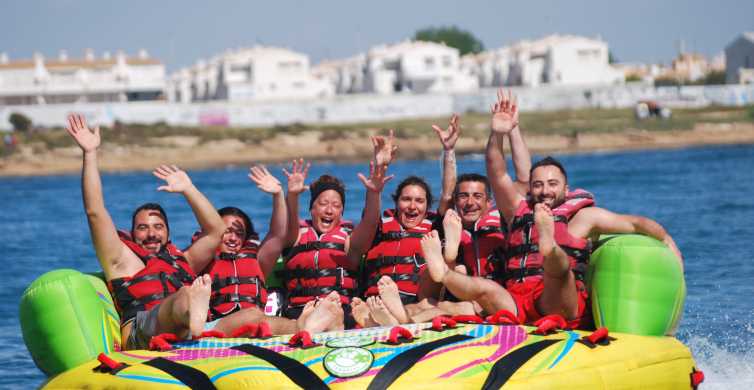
[(504, 120), (521, 160), (594, 221), (296, 178), (448, 140), (363, 234), (112, 253), (274, 242), (202, 250)]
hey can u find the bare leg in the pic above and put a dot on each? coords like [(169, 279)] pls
[(457, 308), (490, 295), (185, 311), (559, 295), (253, 315), (391, 299), (380, 313)]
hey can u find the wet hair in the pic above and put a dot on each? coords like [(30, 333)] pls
[(324, 183), (548, 161), (413, 181), (152, 207), (475, 177), (236, 212)]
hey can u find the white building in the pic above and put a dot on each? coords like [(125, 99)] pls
[(347, 75), (739, 60), (415, 66), (552, 60), (256, 73), (79, 80)]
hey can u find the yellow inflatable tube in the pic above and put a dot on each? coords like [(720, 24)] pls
[(466, 356)]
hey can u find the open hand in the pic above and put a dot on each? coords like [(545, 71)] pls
[(176, 179), (448, 137), (297, 176), (377, 179), (384, 148), (87, 139), (504, 113), (264, 180)]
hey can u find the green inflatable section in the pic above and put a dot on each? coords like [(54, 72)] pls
[(637, 285), (67, 318)]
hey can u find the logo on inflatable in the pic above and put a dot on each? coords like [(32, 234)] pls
[(348, 362)]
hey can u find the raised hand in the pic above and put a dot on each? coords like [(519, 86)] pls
[(504, 113), (384, 148), (87, 139), (448, 137), (377, 179), (176, 179), (297, 176), (264, 180)]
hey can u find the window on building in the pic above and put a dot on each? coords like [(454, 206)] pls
[(289, 65), (447, 61), (429, 63), (299, 85)]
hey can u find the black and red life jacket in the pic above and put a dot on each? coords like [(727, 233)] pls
[(481, 248), (237, 280), (523, 258), (397, 253), (318, 265), (164, 273)]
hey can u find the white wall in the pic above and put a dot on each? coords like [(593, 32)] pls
[(375, 108)]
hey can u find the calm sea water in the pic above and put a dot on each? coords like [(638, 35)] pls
[(703, 196)]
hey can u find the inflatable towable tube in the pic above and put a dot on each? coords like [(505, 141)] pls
[(68, 318)]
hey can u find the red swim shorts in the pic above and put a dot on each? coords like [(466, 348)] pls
[(526, 293)]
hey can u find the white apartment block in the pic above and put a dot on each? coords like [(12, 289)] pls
[(552, 60), (417, 67), (256, 73), (80, 80), (739, 60)]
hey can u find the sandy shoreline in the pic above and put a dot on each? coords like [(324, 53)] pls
[(187, 153)]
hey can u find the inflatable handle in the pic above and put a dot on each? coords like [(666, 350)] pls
[(697, 377), (211, 333), (467, 319), (250, 330), (399, 333), (503, 317), (442, 321), (162, 342), (598, 335), (549, 324), (301, 339), (263, 331)]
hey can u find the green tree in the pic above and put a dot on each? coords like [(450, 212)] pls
[(20, 122), (452, 36)]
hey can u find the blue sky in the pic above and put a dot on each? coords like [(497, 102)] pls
[(180, 32)]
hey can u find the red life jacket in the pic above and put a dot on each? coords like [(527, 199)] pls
[(165, 272), (524, 260), (317, 265), (237, 280), (481, 248), (397, 253)]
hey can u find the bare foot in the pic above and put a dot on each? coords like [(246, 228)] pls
[(453, 226), (380, 313), (433, 255), (545, 227), (336, 308), (333, 296), (391, 299), (198, 304), (305, 313), (461, 269), (360, 312), (320, 318)]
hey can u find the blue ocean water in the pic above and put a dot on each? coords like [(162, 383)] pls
[(703, 196)]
